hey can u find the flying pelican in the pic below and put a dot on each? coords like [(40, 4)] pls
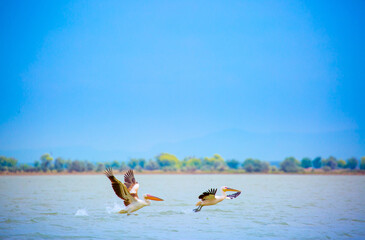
[(208, 197), (128, 192)]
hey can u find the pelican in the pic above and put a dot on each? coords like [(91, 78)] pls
[(209, 198), (128, 192)]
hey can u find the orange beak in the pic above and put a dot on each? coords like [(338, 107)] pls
[(233, 190), (153, 198)]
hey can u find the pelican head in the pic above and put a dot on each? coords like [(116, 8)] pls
[(225, 189)]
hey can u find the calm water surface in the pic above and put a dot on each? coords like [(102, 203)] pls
[(271, 207)]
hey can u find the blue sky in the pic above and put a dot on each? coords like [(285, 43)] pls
[(119, 79)]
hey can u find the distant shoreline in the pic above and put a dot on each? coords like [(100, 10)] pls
[(319, 172)]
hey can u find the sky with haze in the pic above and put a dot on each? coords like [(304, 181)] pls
[(105, 80)]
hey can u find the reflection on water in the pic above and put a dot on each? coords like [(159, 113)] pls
[(271, 206)]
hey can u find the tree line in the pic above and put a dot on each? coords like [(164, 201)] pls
[(170, 163)]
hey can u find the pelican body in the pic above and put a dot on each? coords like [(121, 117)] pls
[(138, 204), (129, 192), (209, 198)]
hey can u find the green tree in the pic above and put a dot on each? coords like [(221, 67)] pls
[(142, 162), (68, 165), (331, 162), (46, 162), (362, 163), (290, 164), (306, 163), (3, 163), (133, 163), (115, 164), (317, 162), (138, 168), (59, 164), (89, 166), (25, 167), (99, 167), (37, 166), (249, 168), (214, 163), (341, 163), (248, 164), (168, 161), (255, 165), (352, 163), (221, 166), (192, 163), (8, 164), (233, 163), (274, 169), (78, 166), (123, 167), (152, 165), (265, 167)]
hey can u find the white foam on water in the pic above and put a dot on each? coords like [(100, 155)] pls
[(114, 209), (81, 212)]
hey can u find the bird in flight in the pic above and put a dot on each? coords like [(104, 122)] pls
[(128, 191), (209, 198)]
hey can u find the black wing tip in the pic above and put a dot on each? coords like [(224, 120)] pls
[(129, 173), (212, 191), (108, 172)]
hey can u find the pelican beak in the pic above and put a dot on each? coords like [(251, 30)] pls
[(153, 198), (232, 190)]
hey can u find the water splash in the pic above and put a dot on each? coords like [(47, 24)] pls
[(81, 212), (114, 209)]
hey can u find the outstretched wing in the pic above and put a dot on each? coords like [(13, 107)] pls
[(131, 183), (210, 194), (234, 195), (119, 188), (129, 179)]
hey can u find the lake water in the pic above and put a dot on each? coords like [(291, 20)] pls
[(270, 207)]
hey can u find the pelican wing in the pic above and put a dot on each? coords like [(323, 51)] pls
[(129, 179), (119, 188), (210, 194), (131, 183)]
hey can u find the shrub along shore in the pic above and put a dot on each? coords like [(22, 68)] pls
[(169, 163)]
